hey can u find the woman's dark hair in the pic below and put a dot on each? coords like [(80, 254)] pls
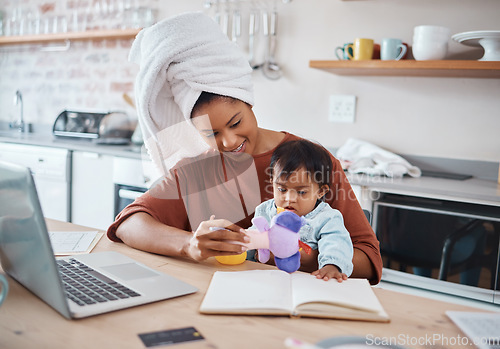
[(208, 97), (293, 155)]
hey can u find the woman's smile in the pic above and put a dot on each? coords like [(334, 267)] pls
[(240, 148)]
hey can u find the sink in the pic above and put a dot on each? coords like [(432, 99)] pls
[(7, 132), (11, 134)]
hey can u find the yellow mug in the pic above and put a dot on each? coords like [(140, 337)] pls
[(232, 260), (362, 48)]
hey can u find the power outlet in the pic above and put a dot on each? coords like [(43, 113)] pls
[(342, 108)]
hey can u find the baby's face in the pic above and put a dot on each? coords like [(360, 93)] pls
[(298, 193)]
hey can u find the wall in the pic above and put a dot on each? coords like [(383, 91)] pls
[(442, 117)]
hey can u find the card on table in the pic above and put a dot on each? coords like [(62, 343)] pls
[(174, 336)]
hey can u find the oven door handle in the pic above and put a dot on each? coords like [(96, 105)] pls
[(129, 194)]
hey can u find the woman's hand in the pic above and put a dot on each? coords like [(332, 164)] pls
[(216, 237), (328, 272)]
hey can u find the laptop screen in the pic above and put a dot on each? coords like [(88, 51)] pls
[(25, 250)]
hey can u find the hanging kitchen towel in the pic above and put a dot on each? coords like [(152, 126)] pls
[(364, 157), (179, 58)]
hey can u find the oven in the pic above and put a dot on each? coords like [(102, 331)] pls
[(125, 195), (444, 246), (131, 178)]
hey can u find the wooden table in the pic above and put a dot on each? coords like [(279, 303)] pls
[(27, 322)]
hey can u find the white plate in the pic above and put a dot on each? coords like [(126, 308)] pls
[(487, 39)]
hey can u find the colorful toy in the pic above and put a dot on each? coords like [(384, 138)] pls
[(281, 238)]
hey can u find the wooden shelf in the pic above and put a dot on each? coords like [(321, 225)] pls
[(86, 35), (442, 68)]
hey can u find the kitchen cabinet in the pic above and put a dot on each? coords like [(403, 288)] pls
[(69, 36), (51, 172), (364, 196), (92, 200), (440, 68)]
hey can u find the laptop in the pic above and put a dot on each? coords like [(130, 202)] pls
[(75, 286)]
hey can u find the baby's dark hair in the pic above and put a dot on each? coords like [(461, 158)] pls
[(293, 155)]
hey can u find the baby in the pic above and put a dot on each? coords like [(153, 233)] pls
[(301, 173)]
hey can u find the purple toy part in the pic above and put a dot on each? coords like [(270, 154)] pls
[(289, 264), (283, 239), (284, 234), (283, 242), (263, 227), (289, 220), (264, 255), (261, 223)]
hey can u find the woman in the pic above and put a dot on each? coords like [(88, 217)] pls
[(207, 81)]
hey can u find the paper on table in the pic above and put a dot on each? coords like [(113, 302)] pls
[(480, 327), (65, 243)]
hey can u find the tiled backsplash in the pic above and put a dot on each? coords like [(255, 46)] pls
[(88, 75)]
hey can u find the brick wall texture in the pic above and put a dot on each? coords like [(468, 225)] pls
[(90, 75)]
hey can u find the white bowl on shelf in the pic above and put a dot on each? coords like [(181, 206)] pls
[(429, 50), (431, 37), (489, 40), (431, 29), (431, 32)]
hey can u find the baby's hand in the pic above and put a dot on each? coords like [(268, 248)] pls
[(328, 272)]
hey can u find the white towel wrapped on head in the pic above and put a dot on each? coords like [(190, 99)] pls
[(179, 58), (368, 158)]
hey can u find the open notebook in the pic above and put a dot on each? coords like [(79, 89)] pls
[(275, 292), (76, 286)]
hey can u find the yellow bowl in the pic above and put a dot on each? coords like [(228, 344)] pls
[(232, 260)]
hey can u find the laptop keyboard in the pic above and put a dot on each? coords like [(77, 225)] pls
[(84, 285)]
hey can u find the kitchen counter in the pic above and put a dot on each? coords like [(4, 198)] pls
[(46, 139), (473, 190)]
